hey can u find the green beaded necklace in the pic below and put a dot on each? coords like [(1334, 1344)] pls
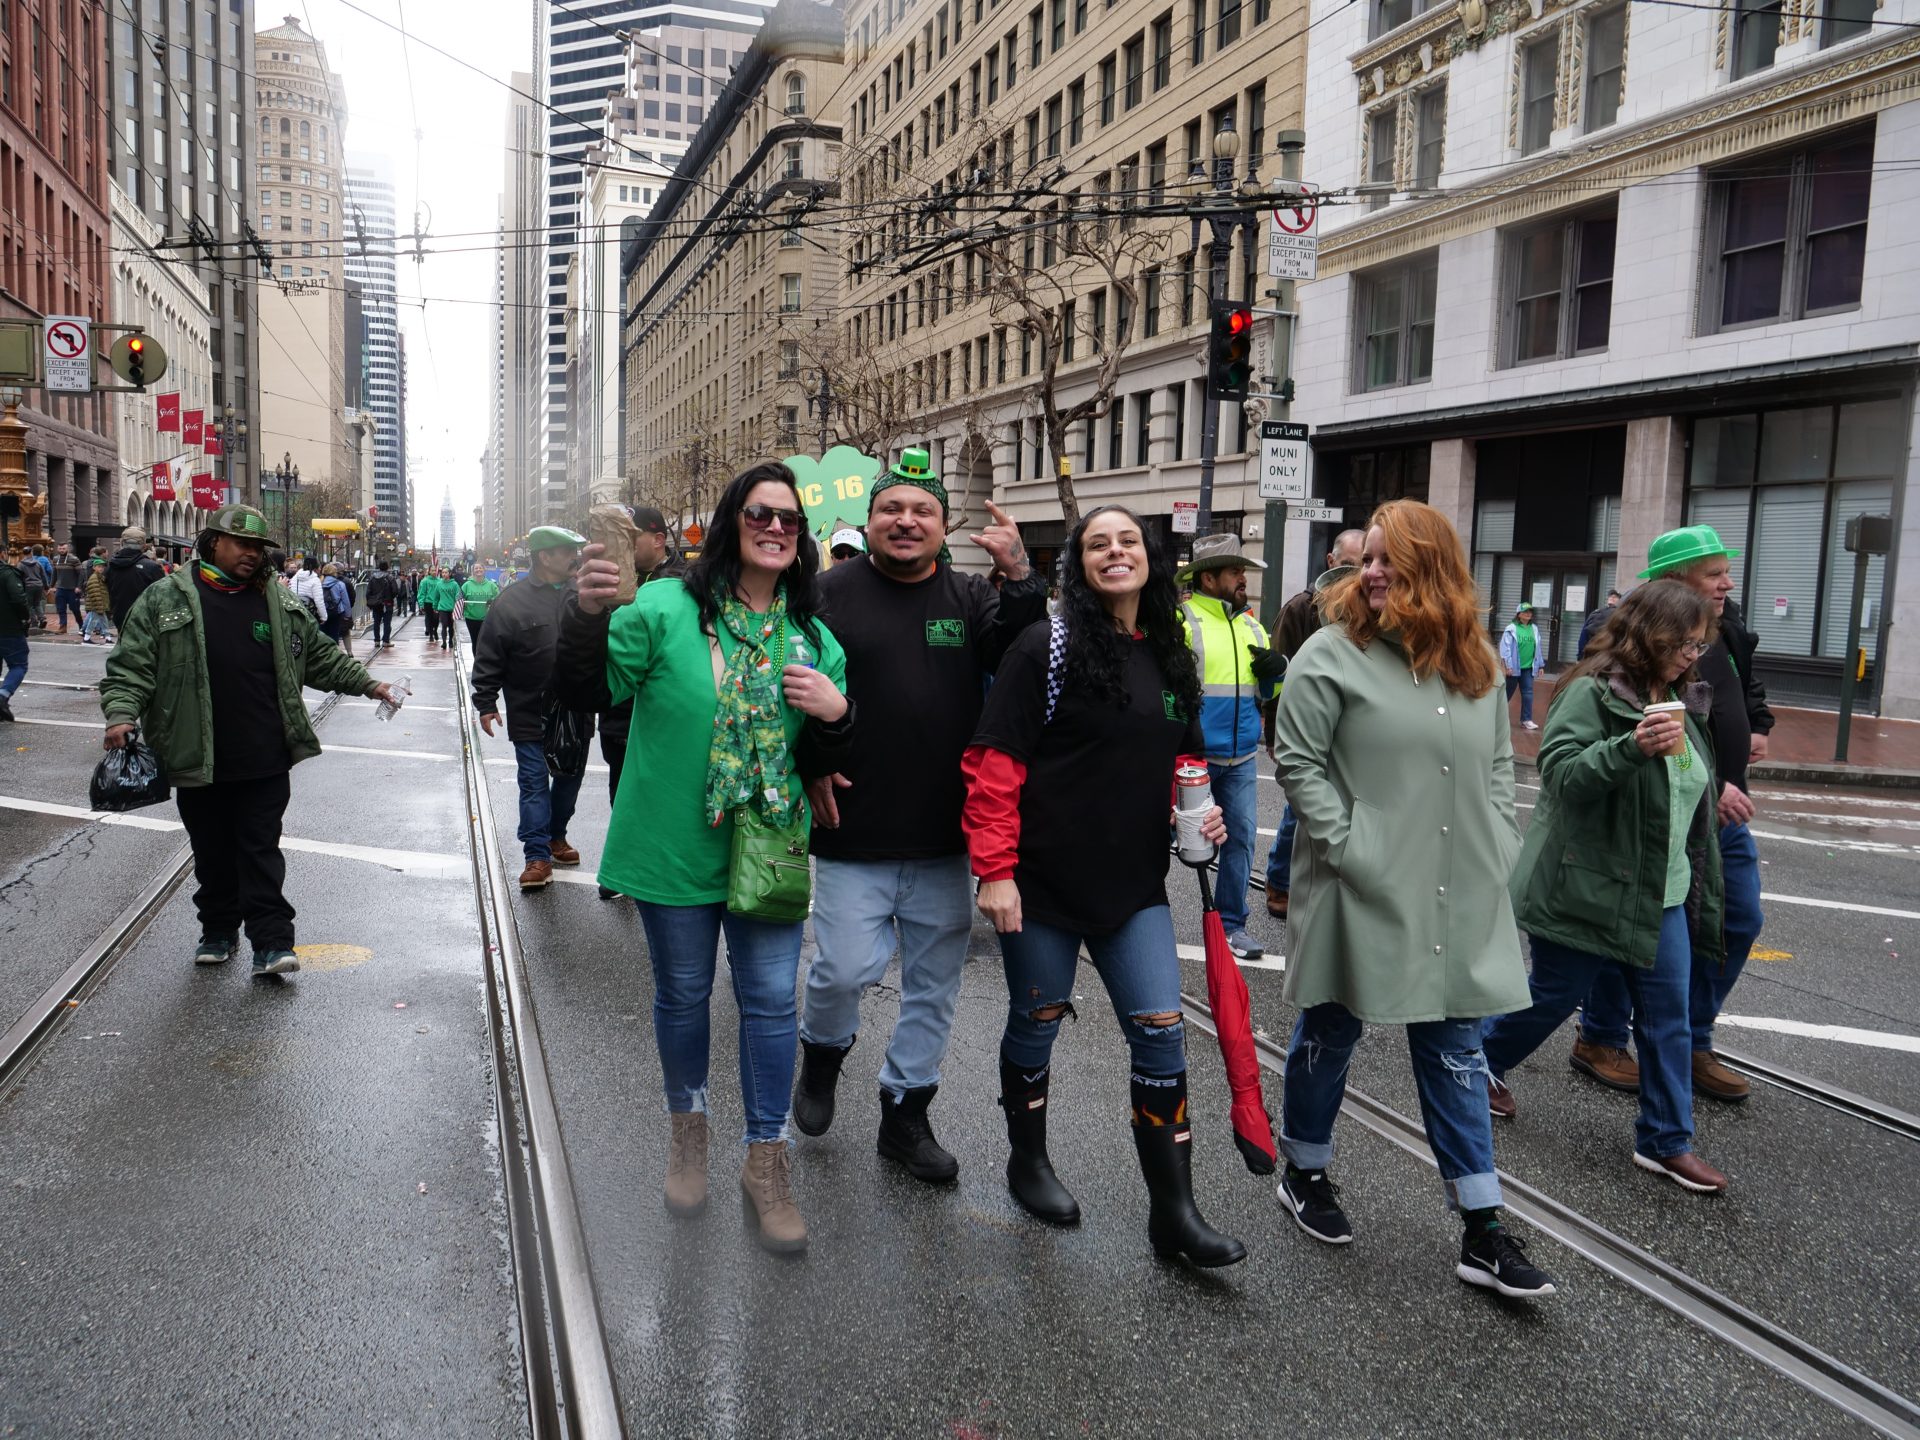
[(1684, 760)]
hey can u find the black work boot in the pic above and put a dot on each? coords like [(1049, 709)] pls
[(1164, 1139), (813, 1092), (1029, 1173), (907, 1137)]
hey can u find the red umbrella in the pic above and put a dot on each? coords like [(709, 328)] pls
[(1233, 1021)]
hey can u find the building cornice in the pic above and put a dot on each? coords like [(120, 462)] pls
[(1717, 129)]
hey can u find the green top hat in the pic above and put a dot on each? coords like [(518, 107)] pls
[(243, 522), (1683, 547), (914, 465)]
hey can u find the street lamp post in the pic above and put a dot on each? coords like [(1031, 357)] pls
[(822, 401), (286, 477), (233, 438)]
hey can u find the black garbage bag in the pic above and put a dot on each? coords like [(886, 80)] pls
[(568, 738), (129, 778)]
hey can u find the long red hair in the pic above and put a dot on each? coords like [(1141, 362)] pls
[(1431, 604)]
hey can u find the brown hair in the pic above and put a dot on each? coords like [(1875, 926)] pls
[(1431, 603), (1643, 630)]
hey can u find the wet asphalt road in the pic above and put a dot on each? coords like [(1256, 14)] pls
[(211, 1219)]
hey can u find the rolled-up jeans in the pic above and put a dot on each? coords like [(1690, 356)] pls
[(1605, 1016), (857, 906), (764, 962), (546, 801), (1236, 790), (1449, 1071)]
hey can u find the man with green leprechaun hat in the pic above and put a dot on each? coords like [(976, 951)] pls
[(920, 638), (210, 664)]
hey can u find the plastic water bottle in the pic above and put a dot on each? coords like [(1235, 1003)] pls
[(799, 652), (402, 691)]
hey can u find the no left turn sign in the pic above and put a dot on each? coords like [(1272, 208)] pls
[(67, 354), (1299, 217), (66, 339)]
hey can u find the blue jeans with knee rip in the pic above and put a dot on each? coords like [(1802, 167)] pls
[(1139, 967), (1448, 1069), (1605, 1016), (857, 906), (1236, 790), (546, 800), (764, 960)]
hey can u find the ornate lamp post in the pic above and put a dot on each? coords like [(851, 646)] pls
[(286, 479), (233, 440)]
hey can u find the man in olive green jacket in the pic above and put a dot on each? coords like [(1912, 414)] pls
[(210, 665)]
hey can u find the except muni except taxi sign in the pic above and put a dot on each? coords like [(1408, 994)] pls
[(67, 355), (1293, 244)]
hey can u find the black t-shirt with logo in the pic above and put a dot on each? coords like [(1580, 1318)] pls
[(1099, 787), (918, 654), (249, 736)]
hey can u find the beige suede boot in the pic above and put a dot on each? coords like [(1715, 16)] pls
[(687, 1164), (767, 1190)]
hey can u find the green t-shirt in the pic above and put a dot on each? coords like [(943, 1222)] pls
[(477, 591), (1524, 636), (1687, 775), (659, 846)]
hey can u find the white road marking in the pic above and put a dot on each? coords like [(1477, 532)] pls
[(1844, 1034), (63, 724), (1808, 795), (1829, 817), (61, 685), (511, 764), (409, 706), (1840, 905), (1864, 847), (392, 754), (80, 812), (1198, 955)]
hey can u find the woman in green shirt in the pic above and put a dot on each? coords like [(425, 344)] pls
[(737, 692), (475, 591), (1621, 866)]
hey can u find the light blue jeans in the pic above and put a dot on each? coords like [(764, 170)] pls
[(1449, 1071), (857, 906), (1236, 790)]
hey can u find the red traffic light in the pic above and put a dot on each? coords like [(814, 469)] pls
[(137, 345), (1238, 320)]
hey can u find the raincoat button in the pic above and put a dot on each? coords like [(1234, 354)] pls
[(1436, 949), (1441, 711), (1446, 769), (1440, 890), (1444, 830)]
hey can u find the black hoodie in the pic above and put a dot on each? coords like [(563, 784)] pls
[(129, 573)]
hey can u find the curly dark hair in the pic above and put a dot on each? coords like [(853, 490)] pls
[(1097, 651), (1643, 630), (717, 571)]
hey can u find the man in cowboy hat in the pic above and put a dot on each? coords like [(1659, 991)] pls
[(1238, 674), (210, 664), (1740, 721)]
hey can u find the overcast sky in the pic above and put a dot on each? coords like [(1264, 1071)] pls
[(456, 186)]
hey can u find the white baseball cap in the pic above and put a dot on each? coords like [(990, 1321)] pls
[(847, 536)]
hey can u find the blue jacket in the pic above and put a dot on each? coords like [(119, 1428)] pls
[(337, 602), (1230, 696), (1510, 650)]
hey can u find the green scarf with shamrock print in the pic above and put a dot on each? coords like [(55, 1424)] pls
[(748, 762)]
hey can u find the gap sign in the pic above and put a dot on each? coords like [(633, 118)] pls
[(1284, 460)]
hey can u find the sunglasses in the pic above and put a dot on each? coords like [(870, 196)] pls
[(761, 517)]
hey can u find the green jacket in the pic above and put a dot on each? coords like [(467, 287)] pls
[(1593, 872), (157, 675), (477, 592)]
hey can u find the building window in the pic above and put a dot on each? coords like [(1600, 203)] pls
[(787, 434), (1059, 27), (1229, 26), (1157, 172), (1055, 114), (1429, 136), (1539, 63), (1150, 303), (1396, 324), (1789, 234), (791, 166), (1076, 112), (1109, 72), (789, 359), (1382, 131), (1606, 67), (993, 74), (1560, 279), (1843, 19), (1036, 43), (1756, 35), (789, 293), (1134, 56), (1198, 19), (796, 94), (1390, 14), (1162, 52)]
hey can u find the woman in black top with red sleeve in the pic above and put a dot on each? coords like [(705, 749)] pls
[(1069, 783)]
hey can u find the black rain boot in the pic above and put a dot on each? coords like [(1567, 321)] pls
[(1164, 1138), (813, 1094), (906, 1137), (1029, 1173)]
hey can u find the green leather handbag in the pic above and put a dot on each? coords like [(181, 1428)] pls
[(768, 877)]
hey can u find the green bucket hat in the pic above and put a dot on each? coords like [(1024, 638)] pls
[(548, 537), (243, 522), (1683, 547)]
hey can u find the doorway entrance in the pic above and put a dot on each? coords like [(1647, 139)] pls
[(1563, 590)]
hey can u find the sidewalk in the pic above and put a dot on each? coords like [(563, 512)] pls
[(1880, 753)]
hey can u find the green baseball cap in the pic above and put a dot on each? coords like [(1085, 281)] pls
[(1523, 608), (548, 537), (243, 522), (1682, 547)]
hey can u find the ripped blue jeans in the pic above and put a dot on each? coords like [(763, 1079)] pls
[(1140, 969), (1449, 1071)]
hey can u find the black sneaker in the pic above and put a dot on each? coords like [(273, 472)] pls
[(1309, 1196), (275, 962), (1495, 1260), (216, 950)]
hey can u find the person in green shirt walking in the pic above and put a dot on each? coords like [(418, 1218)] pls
[(1521, 655), (475, 592), (738, 697), (1620, 871)]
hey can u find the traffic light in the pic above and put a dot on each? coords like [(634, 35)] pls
[(138, 360), (1230, 351)]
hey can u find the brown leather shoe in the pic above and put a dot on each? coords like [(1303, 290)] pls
[(1686, 1170), (687, 1164), (564, 854), (1712, 1078), (1277, 904), (1500, 1102), (766, 1191), (1610, 1065), (537, 876)]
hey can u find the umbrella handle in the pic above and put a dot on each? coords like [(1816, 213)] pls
[(1206, 890)]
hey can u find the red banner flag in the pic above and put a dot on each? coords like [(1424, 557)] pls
[(207, 493), (163, 481), (213, 440), (190, 427), (169, 411)]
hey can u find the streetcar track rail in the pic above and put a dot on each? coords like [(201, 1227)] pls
[(1806, 1365), (570, 1386)]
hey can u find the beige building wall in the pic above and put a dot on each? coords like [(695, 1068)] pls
[(303, 390), (735, 274)]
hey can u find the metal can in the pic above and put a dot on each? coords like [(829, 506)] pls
[(1193, 798)]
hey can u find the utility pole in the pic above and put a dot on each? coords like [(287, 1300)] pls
[(823, 401), (1273, 545), (1222, 219)]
